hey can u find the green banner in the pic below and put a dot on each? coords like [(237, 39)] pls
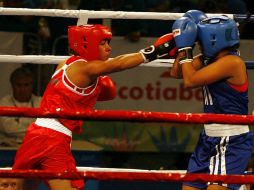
[(136, 136)]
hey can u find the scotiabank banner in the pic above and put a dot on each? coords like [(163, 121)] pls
[(150, 89), (147, 89)]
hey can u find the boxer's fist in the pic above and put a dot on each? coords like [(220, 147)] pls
[(164, 47), (195, 15), (185, 32), (108, 89)]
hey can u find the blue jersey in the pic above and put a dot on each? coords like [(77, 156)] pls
[(222, 148), (222, 98)]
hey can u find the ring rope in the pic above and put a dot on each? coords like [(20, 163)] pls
[(35, 59), (128, 175), (51, 59), (91, 14), (131, 116), (94, 14)]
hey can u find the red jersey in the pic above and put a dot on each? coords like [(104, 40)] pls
[(62, 94)]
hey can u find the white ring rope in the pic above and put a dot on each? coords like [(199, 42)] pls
[(94, 14), (36, 59), (47, 59), (51, 59), (80, 168)]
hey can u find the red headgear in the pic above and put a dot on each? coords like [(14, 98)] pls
[(85, 39)]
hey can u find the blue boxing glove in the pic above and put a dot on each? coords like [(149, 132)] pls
[(185, 35), (195, 15)]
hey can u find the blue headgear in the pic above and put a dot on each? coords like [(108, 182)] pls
[(217, 33)]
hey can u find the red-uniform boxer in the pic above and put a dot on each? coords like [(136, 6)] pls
[(76, 85)]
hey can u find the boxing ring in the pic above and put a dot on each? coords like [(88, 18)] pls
[(120, 115)]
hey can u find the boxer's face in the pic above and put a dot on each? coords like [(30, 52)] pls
[(104, 50)]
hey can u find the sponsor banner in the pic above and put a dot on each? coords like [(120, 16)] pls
[(147, 89), (140, 137), (150, 89)]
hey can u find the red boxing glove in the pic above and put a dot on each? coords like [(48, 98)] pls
[(164, 47), (108, 89)]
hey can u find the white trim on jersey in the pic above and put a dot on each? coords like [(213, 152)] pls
[(207, 96)]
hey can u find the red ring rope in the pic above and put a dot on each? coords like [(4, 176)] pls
[(122, 115), (129, 116), (129, 176)]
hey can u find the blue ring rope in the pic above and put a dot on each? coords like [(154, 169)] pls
[(242, 17)]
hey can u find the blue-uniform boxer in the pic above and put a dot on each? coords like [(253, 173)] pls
[(219, 70)]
